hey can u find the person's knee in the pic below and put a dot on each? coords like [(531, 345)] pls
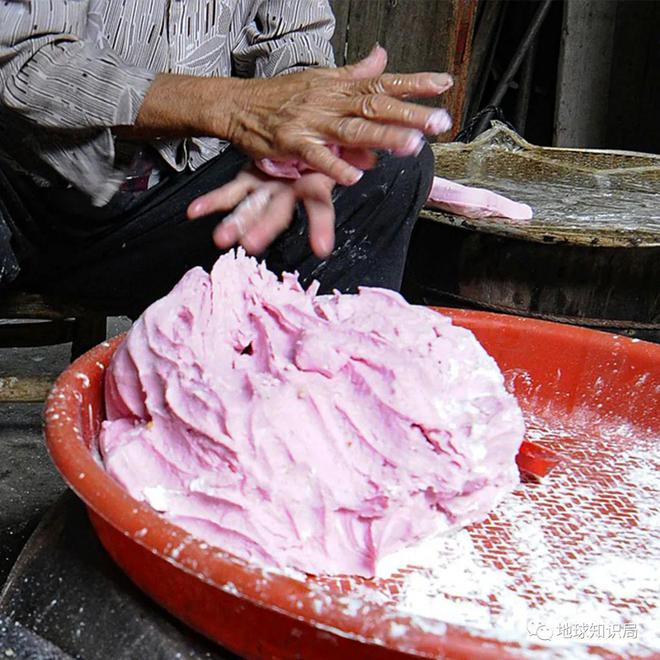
[(422, 166), (426, 163), (389, 197), (411, 175), (409, 181)]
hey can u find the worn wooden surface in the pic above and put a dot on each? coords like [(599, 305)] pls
[(25, 389), (419, 35), (590, 256), (579, 197), (51, 323), (607, 91), (583, 83)]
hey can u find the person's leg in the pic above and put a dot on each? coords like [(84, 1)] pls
[(374, 223), (123, 263)]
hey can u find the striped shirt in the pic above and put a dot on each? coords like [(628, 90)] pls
[(71, 70)]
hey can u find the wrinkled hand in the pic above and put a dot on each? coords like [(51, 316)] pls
[(358, 106), (265, 207), (303, 118)]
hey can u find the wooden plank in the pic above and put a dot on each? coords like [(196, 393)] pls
[(460, 49), (419, 35), (486, 37), (340, 9), (26, 389), (366, 28), (585, 62), (564, 187)]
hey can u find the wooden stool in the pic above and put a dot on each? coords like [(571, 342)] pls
[(46, 323)]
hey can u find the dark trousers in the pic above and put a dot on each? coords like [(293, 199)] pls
[(124, 256)]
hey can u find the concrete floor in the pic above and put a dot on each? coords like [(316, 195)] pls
[(29, 484)]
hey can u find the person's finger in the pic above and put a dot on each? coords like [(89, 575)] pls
[(238, 223), (321, 159), (317, 198), (404, 85), (365, 159), (355, 132), (386, 109), (273, 222), (224, 198), (372, 66), (314, 185)]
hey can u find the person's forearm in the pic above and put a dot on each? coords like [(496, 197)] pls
[(299, 116), (184, 106)]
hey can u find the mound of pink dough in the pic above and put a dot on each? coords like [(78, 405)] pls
[(315, 432)]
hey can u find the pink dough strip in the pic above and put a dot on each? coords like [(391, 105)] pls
[(445, 195), (475, 202)]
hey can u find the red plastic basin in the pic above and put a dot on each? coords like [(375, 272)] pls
[(268, 615)]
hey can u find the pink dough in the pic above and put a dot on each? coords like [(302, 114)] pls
[(315, 432), (280, 169), (445, 194), (288, 169), (475, 202)]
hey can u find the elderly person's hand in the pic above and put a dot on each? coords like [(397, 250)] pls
[(265, 209), (327, 120), (299, 115), (265, 205), (358, 106)]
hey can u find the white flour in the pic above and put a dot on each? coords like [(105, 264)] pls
[(572, 561)]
